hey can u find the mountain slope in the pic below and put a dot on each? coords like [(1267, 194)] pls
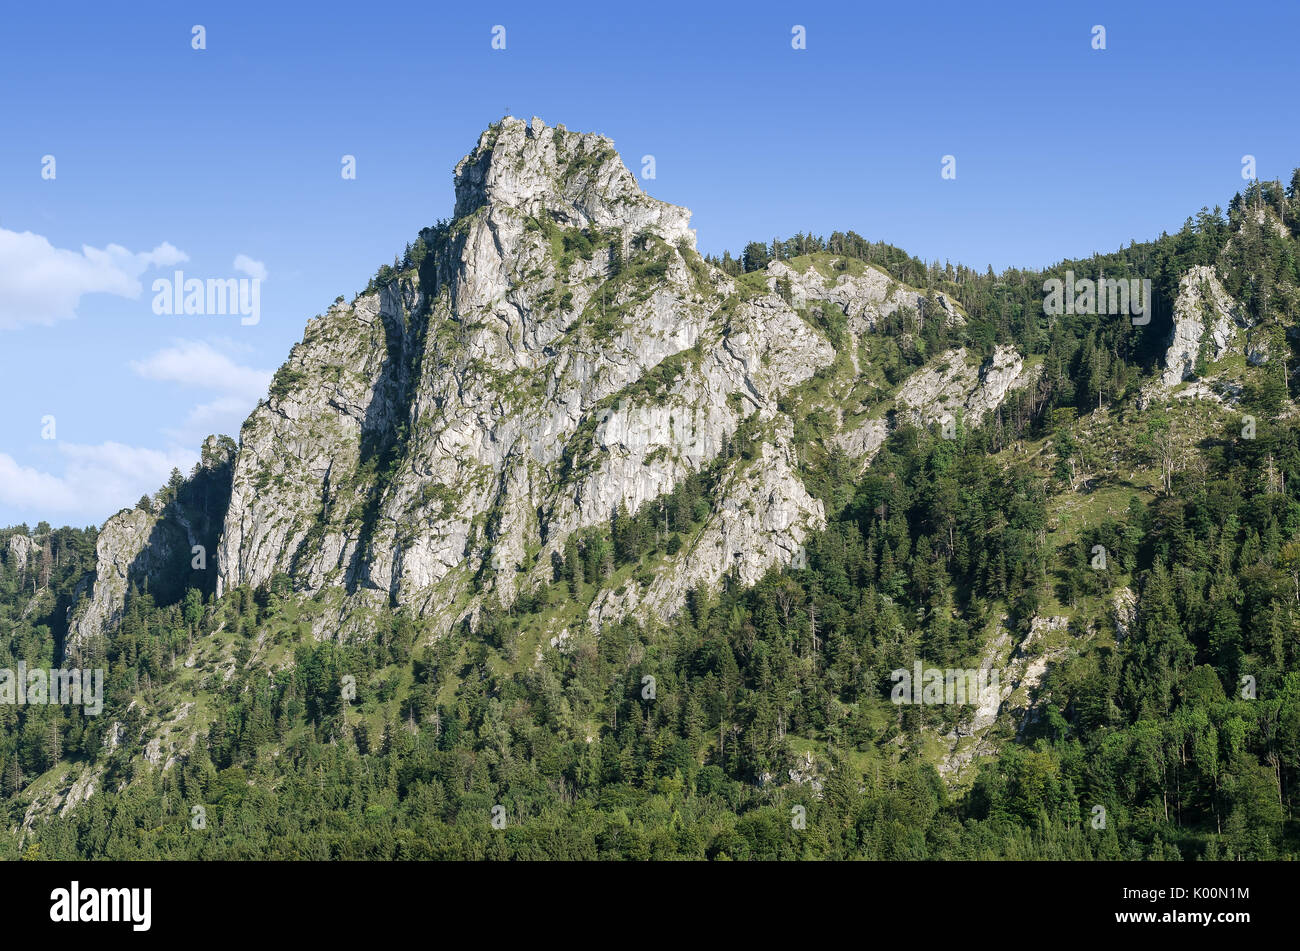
[(557, 452)]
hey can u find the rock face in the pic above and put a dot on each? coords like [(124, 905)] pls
[(863, 442), (1124, 610), (152, 549), (563, 353), (762, 520), (21, 549), (1257, 353), (864, 298), (556, 353), (1011, 690), (1202, 308), (122, 541), (959, 385), (531, 169)]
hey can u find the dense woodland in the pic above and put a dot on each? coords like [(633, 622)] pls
[(939, 541)]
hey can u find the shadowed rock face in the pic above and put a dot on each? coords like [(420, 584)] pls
[(153, 549), (557, 352)]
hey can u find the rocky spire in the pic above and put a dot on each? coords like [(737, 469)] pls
[(575, 178)]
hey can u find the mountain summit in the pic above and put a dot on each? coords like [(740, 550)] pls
[(576, 179)]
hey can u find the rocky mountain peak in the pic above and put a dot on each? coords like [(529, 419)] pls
[(561, 359), (576, 179)]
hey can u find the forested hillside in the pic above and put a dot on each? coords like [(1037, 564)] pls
[(1152, 704)]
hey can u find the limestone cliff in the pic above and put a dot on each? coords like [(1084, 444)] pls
[(1206, 325), (557, 352), (153, 548), (21, 549)]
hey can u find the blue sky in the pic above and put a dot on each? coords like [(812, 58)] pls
[(167, 157)]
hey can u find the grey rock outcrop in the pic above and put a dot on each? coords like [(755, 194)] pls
[(957, 384), (865, 299), (1124, 612), (21, 549), (153, 549), (864, 441), (1010, 691), (1257, 353), (1202, 307), (761, 522), (121, 542), (578, 178)]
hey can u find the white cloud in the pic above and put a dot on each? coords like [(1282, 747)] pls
[(198, 364), (41, 284), (217, 416), (95, 480), (246, 265)]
